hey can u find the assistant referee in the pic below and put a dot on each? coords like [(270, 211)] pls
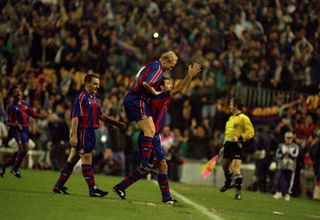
[(238, 130)]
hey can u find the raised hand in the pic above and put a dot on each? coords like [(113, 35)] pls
[(193, 70)]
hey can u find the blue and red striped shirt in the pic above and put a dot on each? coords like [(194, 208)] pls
[(86, 107), (159, 105), (19, 112), (151, 73)]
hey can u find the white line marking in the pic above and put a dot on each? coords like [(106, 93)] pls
[(196, 206)]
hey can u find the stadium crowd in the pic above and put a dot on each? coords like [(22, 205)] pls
[(46, 47)]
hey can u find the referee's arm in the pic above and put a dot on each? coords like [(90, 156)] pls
[(248, 129)]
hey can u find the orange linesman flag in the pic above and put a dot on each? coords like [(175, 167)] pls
[(208, 167)]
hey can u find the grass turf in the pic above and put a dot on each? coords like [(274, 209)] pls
[(31, 198)]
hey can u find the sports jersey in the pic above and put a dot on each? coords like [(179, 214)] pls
[(19, 112), (159, 105), (238, 125), (86, 107)]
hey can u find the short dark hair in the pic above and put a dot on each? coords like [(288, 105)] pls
[(88, 78), (237, 102)]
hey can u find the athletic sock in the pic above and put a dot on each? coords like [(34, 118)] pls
[(65, 173), (18, 160), (87, 173), (228, 176), (10, 161), (238, 181), (146, 150), (129, 180), (163, 182)]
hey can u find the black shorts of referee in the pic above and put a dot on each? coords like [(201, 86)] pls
[(232, 150)]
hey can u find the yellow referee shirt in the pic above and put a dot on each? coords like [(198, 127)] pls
[(237, 126)]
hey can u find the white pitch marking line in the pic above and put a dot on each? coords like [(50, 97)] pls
[(195, 205)]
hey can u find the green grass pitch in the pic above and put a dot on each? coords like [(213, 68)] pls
[(31, 198)]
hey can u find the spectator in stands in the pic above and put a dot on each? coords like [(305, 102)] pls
[(3, 133), (286, 155), (58, 138), (262, 156)]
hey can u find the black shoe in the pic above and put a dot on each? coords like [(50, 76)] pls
[(149, 169), (97, 193), (238, 195), (16, 173), (60, 189), (2, 171), (171, 201), (226, 187), (121, 193)]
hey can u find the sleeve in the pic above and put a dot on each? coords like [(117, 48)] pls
[(76, 108), (154, 75), (248, 129), (11, 114)]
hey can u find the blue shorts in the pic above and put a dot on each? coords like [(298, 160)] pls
[(86, 140), (21, 136), (136, 107), (156, 146)]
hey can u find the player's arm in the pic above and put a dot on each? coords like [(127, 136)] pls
[(107, 119), (150, 89), (193, 70), (73, 131), (13, 125), (76, 113)]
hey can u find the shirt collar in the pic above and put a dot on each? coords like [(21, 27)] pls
[(88, 94)]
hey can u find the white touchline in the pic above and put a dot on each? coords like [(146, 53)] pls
[(196, 206)]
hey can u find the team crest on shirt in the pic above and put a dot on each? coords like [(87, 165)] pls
[(235, 125)]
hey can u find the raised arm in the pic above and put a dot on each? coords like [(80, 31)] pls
[(193, 70), (108, 119)]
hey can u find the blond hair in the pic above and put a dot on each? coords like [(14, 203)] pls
[(168, 56)]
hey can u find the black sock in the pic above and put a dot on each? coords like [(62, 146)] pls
[(228, 176), (238, 181)]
